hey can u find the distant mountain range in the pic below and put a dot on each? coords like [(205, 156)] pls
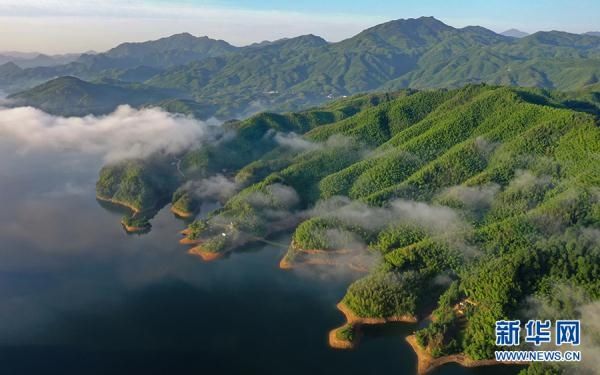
[(34, 59), (228, 81), (514, 33)]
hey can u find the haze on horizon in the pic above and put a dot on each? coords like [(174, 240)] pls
[(61, 26)]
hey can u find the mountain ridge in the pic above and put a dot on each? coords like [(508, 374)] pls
[(292, 73)]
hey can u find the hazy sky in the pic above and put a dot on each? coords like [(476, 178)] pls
[(56, 26)]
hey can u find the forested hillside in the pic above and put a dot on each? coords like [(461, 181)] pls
[(70, 96), (483, 197)]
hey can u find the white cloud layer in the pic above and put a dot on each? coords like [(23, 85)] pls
[(123, 134)]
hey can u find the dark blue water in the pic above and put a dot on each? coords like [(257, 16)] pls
[(79, 296)]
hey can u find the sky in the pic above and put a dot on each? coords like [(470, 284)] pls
[(61, 26)]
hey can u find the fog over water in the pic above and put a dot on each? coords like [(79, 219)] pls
[(79, 295)]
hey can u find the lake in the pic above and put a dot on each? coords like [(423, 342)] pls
[(80, 296)]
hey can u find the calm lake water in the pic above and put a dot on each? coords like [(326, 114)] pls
[(80, 296)]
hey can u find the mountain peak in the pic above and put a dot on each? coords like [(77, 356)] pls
[(406, 33), (64, 80), (183, 36), (177, 49), (414, 26), (514, 33), (309, 40), (10, 68), (431, 21)]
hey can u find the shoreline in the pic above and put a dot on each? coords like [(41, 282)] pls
[(427, 363), (352, 318), (188, 241), (196, 247), (181, 214), (337, 343), (118, 203), (285, 264), (308, 254), (357, 321), (207, 256), (134, 229)]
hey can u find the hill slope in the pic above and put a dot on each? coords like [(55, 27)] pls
[(70, 96)]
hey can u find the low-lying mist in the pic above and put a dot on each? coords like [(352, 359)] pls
[(124, 134)]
